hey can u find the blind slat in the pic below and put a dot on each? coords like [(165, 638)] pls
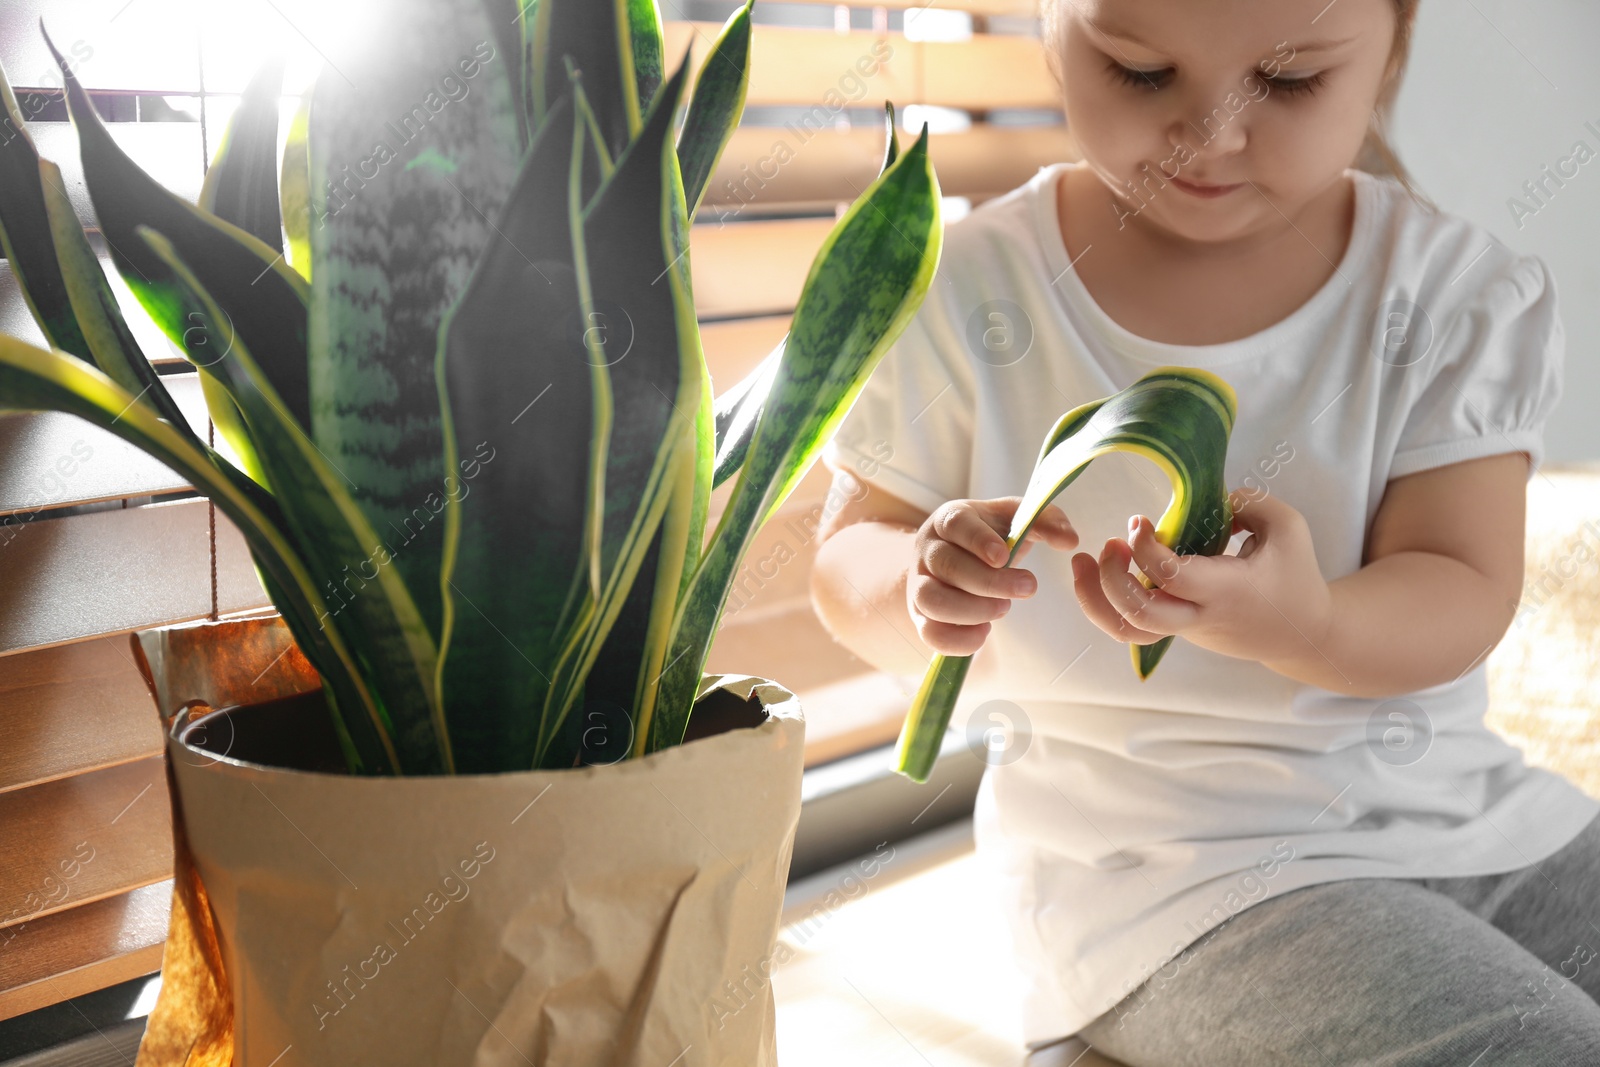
[(82, 949), (753, 268), (766, 166), (1024, 8), (735, 348), (107, 572), (827, 72), (71, 710), (82, 839), (49, 459)]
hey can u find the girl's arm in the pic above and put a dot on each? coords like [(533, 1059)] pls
[(1438, 589)]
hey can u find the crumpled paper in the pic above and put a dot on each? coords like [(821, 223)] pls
[(622, 915)]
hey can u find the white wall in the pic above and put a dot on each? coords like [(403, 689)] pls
[(1497, 89)]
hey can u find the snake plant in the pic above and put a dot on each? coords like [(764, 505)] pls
[(1180, 418), (447, 335)]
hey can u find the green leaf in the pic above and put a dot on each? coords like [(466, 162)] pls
[(33, 379), (1178, 417), (891, 137), (718, 101), (59, 273), (627, 670), (241, 185), (642, 327), (95, 306), (865, 284), (597, 163), (506, 18), (263, 298), (738, 411), (382, 626), (535, 54), (644, 35), (597, 35), (241, 188), (519, 557), (25, 233), (405, 184), (294, 191)]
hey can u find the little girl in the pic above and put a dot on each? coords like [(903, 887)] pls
[(1296, 842)]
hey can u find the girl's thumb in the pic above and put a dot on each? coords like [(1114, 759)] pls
[(1255, 513), (1054, 527)]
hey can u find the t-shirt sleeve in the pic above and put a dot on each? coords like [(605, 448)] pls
[(909, 431), (1495, 375)]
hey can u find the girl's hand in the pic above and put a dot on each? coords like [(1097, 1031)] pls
[(959, 581), (1269, 603)]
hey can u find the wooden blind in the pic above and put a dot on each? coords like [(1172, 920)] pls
[(97, 540)]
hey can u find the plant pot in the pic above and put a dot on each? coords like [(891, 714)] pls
[(622, 914)]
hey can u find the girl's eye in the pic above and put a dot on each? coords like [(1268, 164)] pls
[(1141, 79), (1300, 86), (1156, 79)]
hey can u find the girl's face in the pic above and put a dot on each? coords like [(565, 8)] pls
[(1271, 93)]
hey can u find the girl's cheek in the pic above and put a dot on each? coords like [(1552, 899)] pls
[(1112, 136)]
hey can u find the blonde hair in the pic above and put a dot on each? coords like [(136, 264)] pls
[(1376, 156)]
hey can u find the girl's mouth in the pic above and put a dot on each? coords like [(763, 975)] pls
[(1205, 191)]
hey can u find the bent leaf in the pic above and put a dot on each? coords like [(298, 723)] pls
[(1178, 417)]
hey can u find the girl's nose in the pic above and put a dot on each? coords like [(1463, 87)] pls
[(1210, 128)]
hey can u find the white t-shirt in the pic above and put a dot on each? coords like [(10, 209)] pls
[(1132, 817)]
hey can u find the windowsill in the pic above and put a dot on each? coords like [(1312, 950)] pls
[(897, 962), (906, 961)]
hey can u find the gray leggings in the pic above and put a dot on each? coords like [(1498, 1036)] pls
[(1455, 972)]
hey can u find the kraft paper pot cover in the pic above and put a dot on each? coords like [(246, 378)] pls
[(600, 915)]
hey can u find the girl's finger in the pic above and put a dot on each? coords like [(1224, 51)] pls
[(959, 568), (1054, 528), (1097, 609), (964, 525), (1148, 611), (940, 602), (1184, 576)]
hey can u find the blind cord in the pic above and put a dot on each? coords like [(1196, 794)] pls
[(211, 438), (211, 516)]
